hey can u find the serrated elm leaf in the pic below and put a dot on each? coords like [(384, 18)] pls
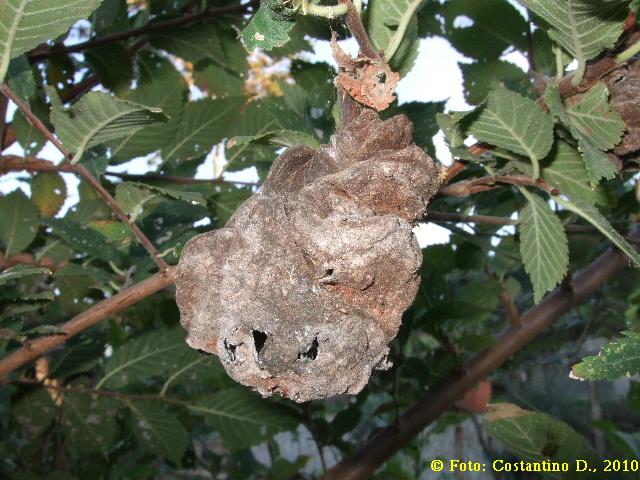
[(543, 245), (617, 359), (509, 120), (24, 24), (582, 27)]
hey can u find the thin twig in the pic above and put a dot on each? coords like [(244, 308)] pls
[(512, 311), (4, 103), (44, 52), (84, 173)]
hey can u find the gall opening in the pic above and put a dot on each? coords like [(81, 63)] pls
[(312, 353), (259, 339), (231, 350)]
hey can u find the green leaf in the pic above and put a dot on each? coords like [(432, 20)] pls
[(42, 330), (596, 161), (393, 28), (132, 199), (543, 245), (48, 192), (567, 172), (453, 127), (423, 117), (142, 357), (203, 124), (113, 65), (158, 431), (24, 24), (20, 271), (482, 77), (218, 81), (132, 196), (226, 201), (164, 89), (595, 218), (617, 359), (83, 239), (210, 41), (194, 369), (111, 16), (88, 422), (497, 25), (282, 138), (242, 418), (582, 27), (19, 222), (594, 117), (97, 118), (20, 78), (247, 155), (537, 437), (544, 55), (270, 26), (34, 411), (29, 138), (509, 120), (601, 129)]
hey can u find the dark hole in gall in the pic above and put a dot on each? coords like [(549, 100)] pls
[(259, 338), (203, 352), (312, 353), (382, 77), (231, 350), (328, 272)]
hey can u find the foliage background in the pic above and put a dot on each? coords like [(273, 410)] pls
[(127, 398)]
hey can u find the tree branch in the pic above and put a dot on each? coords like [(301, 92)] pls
[(28, 259), (356, 27), (99, 393), (43, 52), (100, 311), (150, 177), (470, 187), (429, 408), (84, 173), (12, 163)]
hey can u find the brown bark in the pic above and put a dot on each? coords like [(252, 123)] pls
[(28, 259)]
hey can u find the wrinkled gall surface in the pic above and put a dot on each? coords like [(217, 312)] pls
[(303, 289), (624, 87)]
